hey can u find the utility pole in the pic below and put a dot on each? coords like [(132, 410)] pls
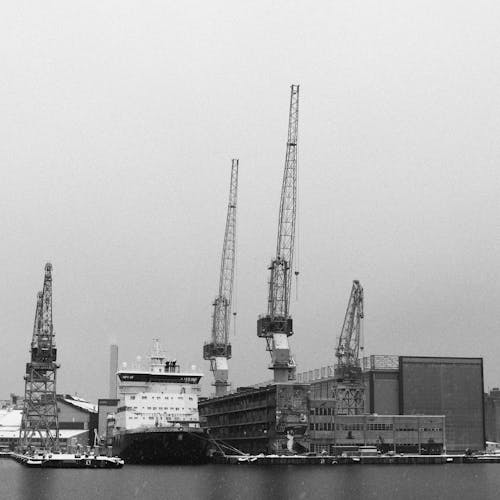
[(218, 350), (276, 325)]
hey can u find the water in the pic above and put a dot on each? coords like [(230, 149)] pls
[(218, 482)]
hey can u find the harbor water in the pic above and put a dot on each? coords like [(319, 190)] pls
[(218, 482)]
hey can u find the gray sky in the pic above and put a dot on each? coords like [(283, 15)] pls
[(118, 124)]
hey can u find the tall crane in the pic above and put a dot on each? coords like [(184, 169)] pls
[(276, 325), (218, 350), (349, 387), (40, 424)]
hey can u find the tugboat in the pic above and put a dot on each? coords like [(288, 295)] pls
[(157, 419)]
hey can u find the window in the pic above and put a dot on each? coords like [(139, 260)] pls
[(132, 397)]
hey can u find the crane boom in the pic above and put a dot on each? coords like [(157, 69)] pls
[(347, 352), (276, 326), (222, 306), (218, 351), (279, 300)]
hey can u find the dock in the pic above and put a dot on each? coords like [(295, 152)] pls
[(354, 460), (68, 461)]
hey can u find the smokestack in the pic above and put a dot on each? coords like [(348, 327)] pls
[(113, 368)]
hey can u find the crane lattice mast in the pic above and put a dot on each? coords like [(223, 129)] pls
[(218, 350), (276, 325), (40, 425), (348, 347), (349, 390)]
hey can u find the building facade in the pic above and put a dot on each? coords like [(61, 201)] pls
[(77, 420), (284, 418), (105, 408), (492, 415), (335, 434), (270, 419), (449, 386)]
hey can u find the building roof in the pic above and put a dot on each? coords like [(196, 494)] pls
[(63, 433), (78, 402), (10, 418)]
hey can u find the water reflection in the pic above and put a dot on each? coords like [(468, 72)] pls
[(241, 482)]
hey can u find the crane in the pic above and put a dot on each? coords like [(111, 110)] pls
[(218, 350), (347, 352), (276, 325), (40, 421), (349, 388)]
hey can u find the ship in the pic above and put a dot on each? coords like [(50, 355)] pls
[(157, 419)]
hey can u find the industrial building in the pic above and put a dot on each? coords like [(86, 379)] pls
[(282, 418), (77, 421), (412, 404), (263, 419), (76, 414), (492, 415), (408, 385), (105, 407), (423, 434)]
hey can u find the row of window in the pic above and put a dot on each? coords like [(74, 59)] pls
[(329, 426), (159, 408), (158, 417), (243, 431), (322, 411)]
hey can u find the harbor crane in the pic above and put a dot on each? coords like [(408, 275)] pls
[(39, 425), (218, 350), (276, 325), (349, 387)]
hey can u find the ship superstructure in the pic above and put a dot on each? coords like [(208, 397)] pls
[(162, 396), (157, 419)]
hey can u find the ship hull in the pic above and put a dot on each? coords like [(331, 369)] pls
[(161, 446)]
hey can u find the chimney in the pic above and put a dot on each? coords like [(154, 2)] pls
[(113, 368)]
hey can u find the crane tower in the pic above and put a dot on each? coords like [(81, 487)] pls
[(39, 424), (218, 350), (349, 387), (276, 325)]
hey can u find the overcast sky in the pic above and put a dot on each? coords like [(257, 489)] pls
[(118, 123)]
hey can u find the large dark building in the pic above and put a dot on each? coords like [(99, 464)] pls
[(447, 386)]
